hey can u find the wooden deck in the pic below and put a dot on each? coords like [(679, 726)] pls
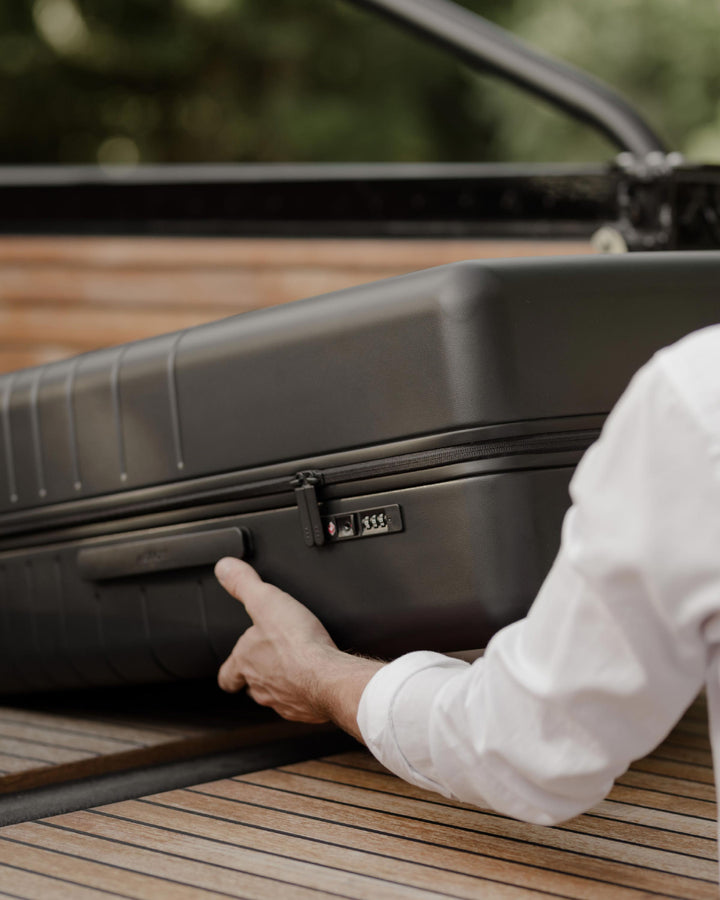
[(341, 826)]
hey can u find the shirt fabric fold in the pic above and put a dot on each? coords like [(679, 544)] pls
[(621, 637)]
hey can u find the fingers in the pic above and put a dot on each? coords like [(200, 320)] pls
[(230, 677), (242, 582), (239, 579)]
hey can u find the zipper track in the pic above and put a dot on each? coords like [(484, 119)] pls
[(563, 441), (305, 484)]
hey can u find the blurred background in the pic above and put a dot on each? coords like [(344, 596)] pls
[(212, 81), (137, 81)]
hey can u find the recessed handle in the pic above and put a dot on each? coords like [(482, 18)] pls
[(160, 553)]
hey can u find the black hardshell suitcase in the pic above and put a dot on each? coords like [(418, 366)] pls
[(396, 456)]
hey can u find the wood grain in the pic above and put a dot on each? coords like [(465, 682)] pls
[(39, 748), (28, 883), (64, 296), (343, 826), (359, 253)]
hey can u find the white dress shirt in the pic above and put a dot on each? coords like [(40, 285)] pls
[(621, 637)]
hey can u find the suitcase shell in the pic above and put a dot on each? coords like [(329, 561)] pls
[(128, 471)]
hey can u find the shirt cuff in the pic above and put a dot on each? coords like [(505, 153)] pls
[(394, 712)]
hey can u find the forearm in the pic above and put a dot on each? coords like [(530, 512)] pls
[(336, 685)]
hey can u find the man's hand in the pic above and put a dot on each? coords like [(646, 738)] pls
[(287, 659)]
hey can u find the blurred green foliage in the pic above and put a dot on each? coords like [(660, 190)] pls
[(320, 80)]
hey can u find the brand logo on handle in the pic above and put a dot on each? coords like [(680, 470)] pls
[(150, 559)]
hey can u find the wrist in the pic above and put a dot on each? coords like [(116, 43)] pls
[(336, 683)]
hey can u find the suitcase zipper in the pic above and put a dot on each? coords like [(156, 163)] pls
[(306, 483)]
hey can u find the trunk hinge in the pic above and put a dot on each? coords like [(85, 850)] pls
[(305, 485)]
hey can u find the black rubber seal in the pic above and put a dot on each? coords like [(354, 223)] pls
[(55, 800)]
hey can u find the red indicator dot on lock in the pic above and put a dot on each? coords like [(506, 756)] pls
[(332, 529)]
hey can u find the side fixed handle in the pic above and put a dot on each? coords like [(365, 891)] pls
[(161, 553)]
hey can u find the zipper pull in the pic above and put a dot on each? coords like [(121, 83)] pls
[(305, 485)]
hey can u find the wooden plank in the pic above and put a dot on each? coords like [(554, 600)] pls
[(234, 869), (676, 787), (645, 834), (681, 739), (662, 800), (322, 840), (643, 802), (75, 766), (312, 780), (19, 763), (659, 819), (91, 329), (25, 354), (64, 296), (104, 879), (40, 748), (690, 726), (31, 886), (104, 732), (46, 753), (677, 752), (112, 252), (222, 276), (110, 727), (63, 737), (175, 291), (418, 838), (669, 768)]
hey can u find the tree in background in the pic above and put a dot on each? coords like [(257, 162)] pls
[(292, 80)]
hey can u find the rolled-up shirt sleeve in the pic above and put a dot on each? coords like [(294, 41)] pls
[(614, 648)]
